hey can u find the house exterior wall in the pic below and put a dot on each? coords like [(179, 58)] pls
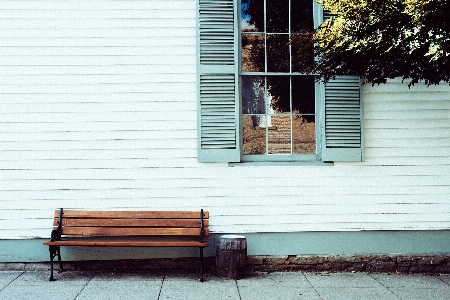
[(98, 111)]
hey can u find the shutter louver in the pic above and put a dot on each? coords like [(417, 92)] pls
[(218, 113), (343, 121)]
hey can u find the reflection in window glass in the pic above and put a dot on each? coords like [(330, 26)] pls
[(253, 95), (278, 53), (302, 48), (304, 134), (279, 92), (303, 94), (252, 53), (302, 15), (252, 15), (277, 16), (279, 135), (254, 134)]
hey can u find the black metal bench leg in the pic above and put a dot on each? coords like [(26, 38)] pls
[(201, 264), (59, 259), (54, 251)]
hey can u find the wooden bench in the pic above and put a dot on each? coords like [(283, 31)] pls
[(128, 229)]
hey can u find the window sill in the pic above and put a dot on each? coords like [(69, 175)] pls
[(280, 163)]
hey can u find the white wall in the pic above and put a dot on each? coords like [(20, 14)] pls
[(98, 111)]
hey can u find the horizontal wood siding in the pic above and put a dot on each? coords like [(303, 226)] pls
[(89, 92), (98, 111)]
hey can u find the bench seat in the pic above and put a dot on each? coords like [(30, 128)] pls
[(124, 243)]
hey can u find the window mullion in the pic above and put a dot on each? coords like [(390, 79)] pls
[(290, 80), (267, 116), (291, 114), (266, 88), (265, 36), (289, 32)]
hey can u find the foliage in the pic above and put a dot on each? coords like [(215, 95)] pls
[(385, 39)]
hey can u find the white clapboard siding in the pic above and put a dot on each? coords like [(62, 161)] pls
[(98, 111)]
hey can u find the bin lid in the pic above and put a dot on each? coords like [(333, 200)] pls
[(232, 236)]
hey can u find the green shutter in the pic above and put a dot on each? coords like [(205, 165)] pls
[(218, 110), (343, 120)]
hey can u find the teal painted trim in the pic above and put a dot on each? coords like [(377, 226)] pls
[(23, 251), (258, 244), (342, 154), (320, 102), (218, 155), (280, 163), (363, 129), (279, 157), (318, 14), (349, 243)]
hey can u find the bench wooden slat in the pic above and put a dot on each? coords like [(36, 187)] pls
[(125, 231), (131, 214), (131, 223), (100, 243)]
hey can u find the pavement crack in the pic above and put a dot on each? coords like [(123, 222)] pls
[(314, 288), (162, 283), (237, 288), (12, 281), (84, 286), (440, 278), (386, 287)]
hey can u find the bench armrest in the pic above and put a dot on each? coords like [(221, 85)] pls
[(56, 233)]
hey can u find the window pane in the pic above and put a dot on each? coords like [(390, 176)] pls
[(302, 52), (279, 135), (278, 53), (277, 16), (252, 16), (302, 28), (253, 95), (304, 134), (252, 53), (279, 93), (302, 15), (303, 94), (254, 131)]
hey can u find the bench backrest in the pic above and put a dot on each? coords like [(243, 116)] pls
[(138, 223)]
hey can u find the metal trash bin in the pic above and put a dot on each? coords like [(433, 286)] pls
[(231, 256)]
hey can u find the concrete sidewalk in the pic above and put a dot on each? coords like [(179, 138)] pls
[(110, 285)]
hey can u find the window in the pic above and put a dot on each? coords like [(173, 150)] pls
[(277, 99), (255, 101)]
